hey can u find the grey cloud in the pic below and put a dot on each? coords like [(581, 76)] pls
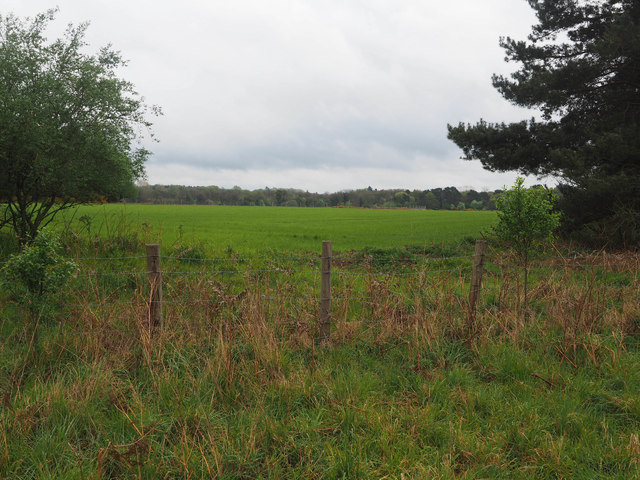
[(354, 145), (283, 85)]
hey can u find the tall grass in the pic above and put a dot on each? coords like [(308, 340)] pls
[(235, 387)]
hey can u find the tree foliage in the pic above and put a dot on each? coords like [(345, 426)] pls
[(434, 199), (70, 128), (580, 67), (526, 220)]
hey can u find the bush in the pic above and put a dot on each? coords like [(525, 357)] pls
[(34, 277), (526, 220)]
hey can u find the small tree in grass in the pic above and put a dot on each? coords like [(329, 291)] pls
[(35, 277), (526, 221)]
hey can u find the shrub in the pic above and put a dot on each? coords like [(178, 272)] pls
[(526, 221), (36, 275)]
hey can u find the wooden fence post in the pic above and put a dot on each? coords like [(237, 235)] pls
[(325, 292), (155, 285), (476, 284)]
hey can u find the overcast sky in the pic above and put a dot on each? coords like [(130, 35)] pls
[(322, 95)]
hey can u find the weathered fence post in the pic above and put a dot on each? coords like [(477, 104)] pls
[(155, 285), (325, 292), (476, 284)]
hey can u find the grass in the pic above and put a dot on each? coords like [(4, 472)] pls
[(235, 386), (250, 229), (250, 404)]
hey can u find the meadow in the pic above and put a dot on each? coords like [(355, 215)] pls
[(235, 384), (251, 229)]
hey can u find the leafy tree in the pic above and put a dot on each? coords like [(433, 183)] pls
[(69, 126), (450, 197), (581, 68), (526, 220), (430, 201), (469, 196), (476, 205), (281, 196), (402, 198)]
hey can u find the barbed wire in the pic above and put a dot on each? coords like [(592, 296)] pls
[(232, 259), (487, 262), (107, 274), (496, 269), (228, 272), (314, 258), (104, 258), (394, 274), (103, 304)]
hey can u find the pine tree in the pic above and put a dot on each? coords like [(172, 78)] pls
[(580, 67)]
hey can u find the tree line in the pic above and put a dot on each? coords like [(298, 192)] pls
[(448, 198)]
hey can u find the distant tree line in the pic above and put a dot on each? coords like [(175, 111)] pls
[(449, 198)]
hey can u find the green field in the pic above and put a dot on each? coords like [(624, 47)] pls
[(250, 229), (237, 383)]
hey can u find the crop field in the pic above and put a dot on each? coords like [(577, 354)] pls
[(251, 229)]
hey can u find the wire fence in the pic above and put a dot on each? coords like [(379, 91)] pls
[(108, 292)]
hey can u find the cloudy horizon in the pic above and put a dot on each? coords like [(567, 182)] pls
[(318, 96)]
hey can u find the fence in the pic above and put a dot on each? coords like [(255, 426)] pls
[(324, 321), (312, 291)]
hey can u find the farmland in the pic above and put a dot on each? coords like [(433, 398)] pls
[(251, 229), (235, 384)]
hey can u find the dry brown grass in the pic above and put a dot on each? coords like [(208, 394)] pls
[(235, 382), (579, 297)]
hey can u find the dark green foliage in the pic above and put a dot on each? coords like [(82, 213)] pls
[(580, 68), (8, 244), (36, 275), (434, 199), (604, 212), (77, 146)]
